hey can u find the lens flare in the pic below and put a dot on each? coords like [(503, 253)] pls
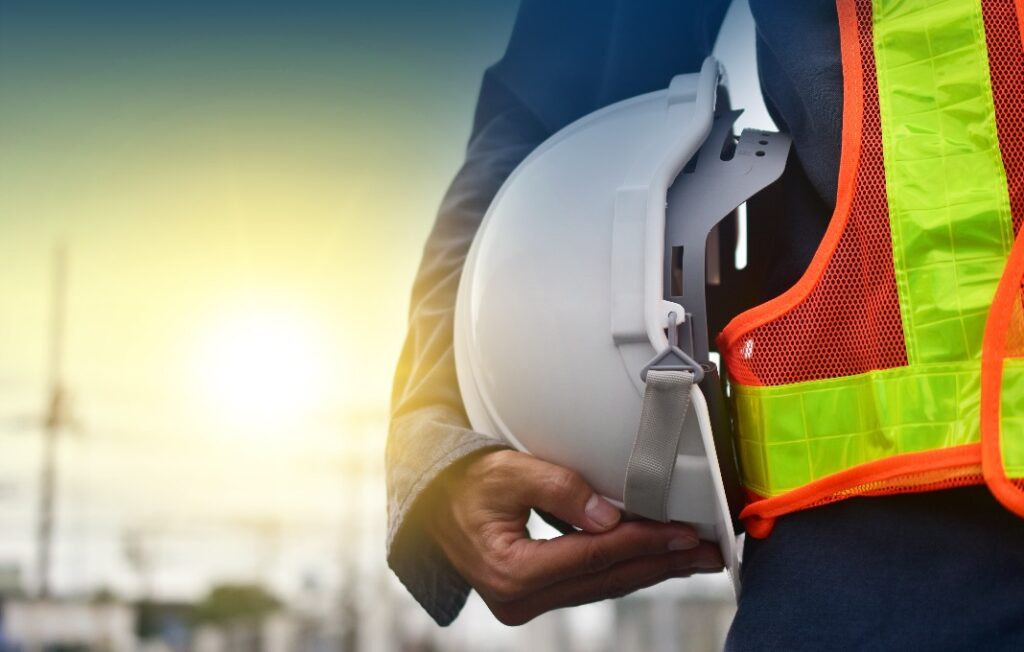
[(263, 368)]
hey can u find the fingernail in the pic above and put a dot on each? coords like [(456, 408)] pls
[(682, 543), (601, 511)]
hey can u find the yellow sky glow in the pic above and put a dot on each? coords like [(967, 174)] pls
[(242, 230), (263, 367)]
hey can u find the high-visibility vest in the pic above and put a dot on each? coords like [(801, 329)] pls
[(896, 363)]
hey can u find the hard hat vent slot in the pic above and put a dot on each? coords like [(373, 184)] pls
[(728, 147), (691, 165), (676, 286)]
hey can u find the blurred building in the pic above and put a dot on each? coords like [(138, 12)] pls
[(43, 625), (681, 616), (344, 599)]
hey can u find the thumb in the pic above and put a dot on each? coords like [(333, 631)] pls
[(564, 494)]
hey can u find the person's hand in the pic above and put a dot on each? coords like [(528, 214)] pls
[(480, 525)]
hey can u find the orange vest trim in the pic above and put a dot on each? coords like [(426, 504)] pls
[(844, 319)]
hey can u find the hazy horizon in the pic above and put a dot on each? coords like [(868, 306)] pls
[(243, 190)]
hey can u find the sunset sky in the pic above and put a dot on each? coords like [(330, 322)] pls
[(243, 189)]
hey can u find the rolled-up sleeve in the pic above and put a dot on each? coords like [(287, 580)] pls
[(429, 430)]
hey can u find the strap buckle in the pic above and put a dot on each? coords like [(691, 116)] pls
[(673, 358)]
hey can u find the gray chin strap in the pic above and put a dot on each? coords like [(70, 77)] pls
[(662, 418)]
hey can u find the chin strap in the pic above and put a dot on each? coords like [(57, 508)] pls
[(649, 473)]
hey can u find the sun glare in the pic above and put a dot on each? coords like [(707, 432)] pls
[(263, 369)]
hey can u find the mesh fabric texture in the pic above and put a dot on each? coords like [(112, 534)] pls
[(850, 322)]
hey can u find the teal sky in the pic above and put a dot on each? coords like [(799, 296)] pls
[(244, 189)]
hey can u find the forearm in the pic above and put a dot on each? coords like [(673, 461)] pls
[(422, 445), (429, 430)]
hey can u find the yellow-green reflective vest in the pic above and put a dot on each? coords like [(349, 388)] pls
[(896, 363)]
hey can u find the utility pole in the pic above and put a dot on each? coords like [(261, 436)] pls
[(53, 423)]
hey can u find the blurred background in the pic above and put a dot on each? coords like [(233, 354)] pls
[(210, 218)]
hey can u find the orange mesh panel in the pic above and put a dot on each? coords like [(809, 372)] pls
[(1002, 338), (1006, 68), (1015, 333), (850, 322), (1004, 331)]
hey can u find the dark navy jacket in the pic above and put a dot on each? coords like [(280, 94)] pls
[(932, 571)]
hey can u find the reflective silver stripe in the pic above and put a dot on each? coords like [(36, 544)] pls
[(649, 473)]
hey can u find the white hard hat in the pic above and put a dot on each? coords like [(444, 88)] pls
[(572, 288)]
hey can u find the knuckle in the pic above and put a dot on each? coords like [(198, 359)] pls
[(500, 471), (498, 460), (490, 468), (596, 558), (615, 586), (510, 457), (562, 482)]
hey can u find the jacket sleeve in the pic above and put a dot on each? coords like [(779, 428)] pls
[(564, 59), (429, 430)]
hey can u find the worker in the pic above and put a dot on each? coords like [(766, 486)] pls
[(935, 564)]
